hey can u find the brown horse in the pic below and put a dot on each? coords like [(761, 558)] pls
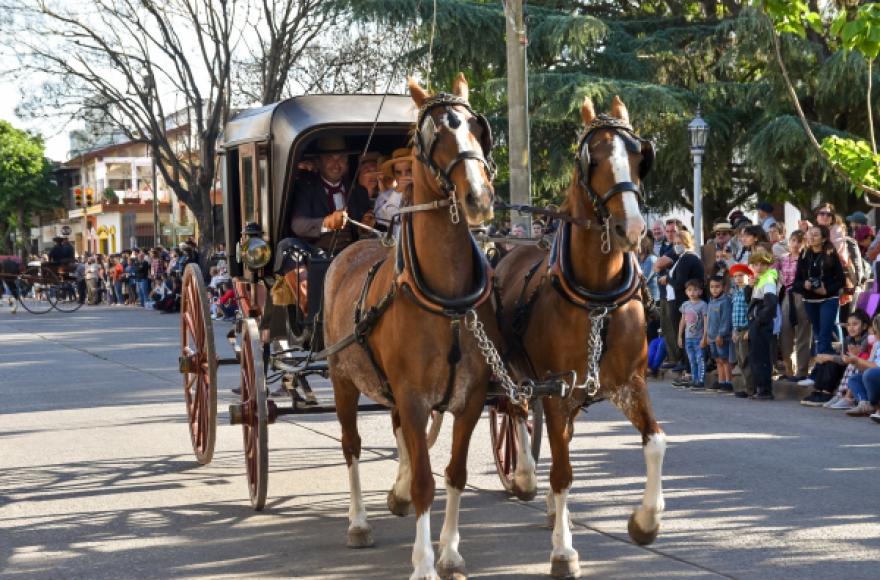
[(415, 355), (581, 295)]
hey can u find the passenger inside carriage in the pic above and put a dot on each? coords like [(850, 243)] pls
[(323, 192)]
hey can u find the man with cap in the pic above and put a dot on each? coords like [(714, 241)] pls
[(856, 219), (322, 200), (62, 252), (717, 253), (765, 216)]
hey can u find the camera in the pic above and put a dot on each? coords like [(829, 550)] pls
[(815, 282)]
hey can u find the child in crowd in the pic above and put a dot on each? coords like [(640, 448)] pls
[(227, 302), (762, 311), (856, 343), (692, 331), (740, 295), (719, 327), (864, 384)]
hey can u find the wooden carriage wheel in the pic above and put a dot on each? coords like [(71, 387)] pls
[(198, 363), (505, 440), (254, 413)]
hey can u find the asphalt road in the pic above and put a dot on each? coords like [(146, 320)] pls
[(97, 479)]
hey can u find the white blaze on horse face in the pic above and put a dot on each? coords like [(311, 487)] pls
[(620, 169), (423, 551), (653, 504), (463, 140)]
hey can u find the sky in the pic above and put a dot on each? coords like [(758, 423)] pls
[(53, 132)]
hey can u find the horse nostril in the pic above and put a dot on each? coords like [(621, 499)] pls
[(620, 230)]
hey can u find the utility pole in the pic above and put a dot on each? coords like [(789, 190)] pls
[(518, 111)]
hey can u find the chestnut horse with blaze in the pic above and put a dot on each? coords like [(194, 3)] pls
[(408, 306), (580, 311)]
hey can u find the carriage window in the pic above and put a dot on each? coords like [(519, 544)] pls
[(247, 189)]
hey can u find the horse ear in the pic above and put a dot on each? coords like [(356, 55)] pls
[(419, 95), (588, 111), (618, 110), (460, 86)]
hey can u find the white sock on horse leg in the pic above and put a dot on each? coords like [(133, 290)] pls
[(423, 551), (449, 536), (357, 512), (562, 547), (653, 504), (525, 477), (404, 471)]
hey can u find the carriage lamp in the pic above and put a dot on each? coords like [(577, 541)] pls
[(255, 252), (699, 132)]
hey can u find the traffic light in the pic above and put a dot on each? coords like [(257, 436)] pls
[(78, 196), (90, 196)]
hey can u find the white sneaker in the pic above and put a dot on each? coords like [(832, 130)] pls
[(875, 417), (806, 382), (833, 401), (843, 403)]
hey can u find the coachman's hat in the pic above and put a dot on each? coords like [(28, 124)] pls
[(330, 144)]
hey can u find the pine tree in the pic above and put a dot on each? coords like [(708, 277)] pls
[(663, 58)]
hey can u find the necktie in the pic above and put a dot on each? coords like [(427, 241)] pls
[(332, 190)]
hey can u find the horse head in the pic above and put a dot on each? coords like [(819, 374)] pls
[(612, 161), (455, 143)]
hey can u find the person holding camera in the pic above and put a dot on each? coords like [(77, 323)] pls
[(819, 279)]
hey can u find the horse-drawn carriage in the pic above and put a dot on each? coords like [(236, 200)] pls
[(414, 323), (261, 151)]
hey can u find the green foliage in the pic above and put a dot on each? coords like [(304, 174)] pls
[(791, 16), (25, 177), (856, 158), (861, 33)]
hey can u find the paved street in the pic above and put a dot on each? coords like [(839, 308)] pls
[(97, 479)]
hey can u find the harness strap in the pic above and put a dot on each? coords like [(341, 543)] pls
[(453, 359), (437, 204)]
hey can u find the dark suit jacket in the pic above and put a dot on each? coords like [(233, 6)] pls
[(311, 205)]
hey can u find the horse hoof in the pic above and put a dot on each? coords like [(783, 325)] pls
[(565, 567), (360, 538), (451, 571), (524, 494), (396, 505), (638, 535)]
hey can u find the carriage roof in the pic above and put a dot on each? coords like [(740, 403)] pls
[(289, 125)]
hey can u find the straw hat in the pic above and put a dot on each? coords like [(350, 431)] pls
[(401, 154), (722, 227)]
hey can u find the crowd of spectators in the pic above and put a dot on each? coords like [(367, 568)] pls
[(149, 278), (766, 306)]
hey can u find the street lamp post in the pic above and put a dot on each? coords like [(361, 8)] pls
[(699, 132)]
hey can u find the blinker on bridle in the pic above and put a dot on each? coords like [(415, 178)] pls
[(633, 143), (426, 140)]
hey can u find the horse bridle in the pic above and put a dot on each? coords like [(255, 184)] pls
[(426, 140), (633, 143)]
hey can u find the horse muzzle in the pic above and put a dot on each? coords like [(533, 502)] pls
[(479, 206), (628, 232)]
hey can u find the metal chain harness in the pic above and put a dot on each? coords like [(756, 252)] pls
[(516, 393), (594, 351)]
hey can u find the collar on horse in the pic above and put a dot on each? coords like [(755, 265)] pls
[(426, 140), (409, 278), (633, 143), (563, 281)]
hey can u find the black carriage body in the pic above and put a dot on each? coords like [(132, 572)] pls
[(262, 146)]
